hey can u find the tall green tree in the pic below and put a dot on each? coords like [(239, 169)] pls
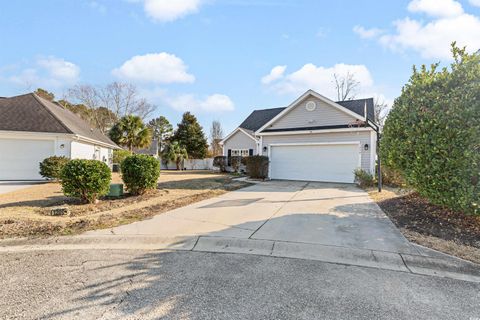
[(176, 153), (162, 130), (131, 132), (432, 134), (190, 135)]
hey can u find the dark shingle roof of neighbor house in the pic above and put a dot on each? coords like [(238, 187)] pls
[(31, 113), (258, 118)]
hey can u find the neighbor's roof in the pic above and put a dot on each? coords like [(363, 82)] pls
[(258, 118), (31, 113)]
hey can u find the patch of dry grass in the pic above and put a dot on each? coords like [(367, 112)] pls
[(24, 212)]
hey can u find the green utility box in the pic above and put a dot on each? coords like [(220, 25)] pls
[(116, 190)]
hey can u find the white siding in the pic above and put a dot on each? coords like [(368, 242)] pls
[(363, 137), (80, 150), (239, 140), (62, 147), (323, 115)]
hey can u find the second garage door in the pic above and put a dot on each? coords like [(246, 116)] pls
[(315, 162), (20, 159)]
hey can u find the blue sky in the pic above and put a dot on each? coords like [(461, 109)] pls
[(220, 59)]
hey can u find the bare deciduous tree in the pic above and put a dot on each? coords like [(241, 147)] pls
[(380, 109), (119, 99), (346, 86), (216, 135), (122, 99)]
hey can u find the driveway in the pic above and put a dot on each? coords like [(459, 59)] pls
[(9, 186), (328, 214)]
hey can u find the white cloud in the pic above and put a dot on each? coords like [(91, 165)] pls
[(318, 78), (432, 39), (275, 74), (475, 3), (212, 103), (436, 8), (48, 72), (367, 33), (154, 67), (170, 10)]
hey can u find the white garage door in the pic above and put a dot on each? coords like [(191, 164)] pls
[(19, 159), (323, 162)]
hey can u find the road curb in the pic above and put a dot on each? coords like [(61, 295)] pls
[(446, 267)]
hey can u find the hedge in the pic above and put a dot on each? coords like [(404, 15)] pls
[(257, 167), (432, 134), (220, 162)]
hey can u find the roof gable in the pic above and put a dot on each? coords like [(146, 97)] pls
[(248, 133), (307, 94)]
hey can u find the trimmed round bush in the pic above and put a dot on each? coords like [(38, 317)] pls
[(140, 173), (51, 167), (257, 167), (86, 179)]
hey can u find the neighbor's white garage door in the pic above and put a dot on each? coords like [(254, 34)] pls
[(323, 162), (19, 159)]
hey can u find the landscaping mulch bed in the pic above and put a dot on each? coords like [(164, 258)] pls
[(413, 213)]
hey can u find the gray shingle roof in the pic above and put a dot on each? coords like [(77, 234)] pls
[(358, 106), (31, 113), (258, 118)]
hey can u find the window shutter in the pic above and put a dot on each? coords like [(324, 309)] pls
[(229, 157), (229, 153), (250, 152)]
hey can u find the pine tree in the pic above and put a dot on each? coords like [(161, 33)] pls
[(190, 135)]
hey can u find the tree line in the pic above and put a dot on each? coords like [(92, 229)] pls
[(118, 111)]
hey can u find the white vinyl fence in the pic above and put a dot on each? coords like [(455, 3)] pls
[(191, 164)]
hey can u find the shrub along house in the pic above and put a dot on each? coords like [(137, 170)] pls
[(32, 129), (312, 139)]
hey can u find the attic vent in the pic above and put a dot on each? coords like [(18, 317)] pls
[(310, 105)]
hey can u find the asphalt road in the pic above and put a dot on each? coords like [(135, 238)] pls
[(134, 284)]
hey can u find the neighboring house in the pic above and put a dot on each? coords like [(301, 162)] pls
[(151, 150), (32, 129), (313, 139)]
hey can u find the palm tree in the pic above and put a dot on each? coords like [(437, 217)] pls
[(176, 153), (131, 132)]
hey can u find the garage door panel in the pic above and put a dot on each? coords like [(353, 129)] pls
[(20, 158), (331, 162)]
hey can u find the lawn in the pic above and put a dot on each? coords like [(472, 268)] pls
[(429, 225), (25, 212)]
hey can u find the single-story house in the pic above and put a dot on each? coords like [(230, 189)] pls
[(312, 139), (33, 128)]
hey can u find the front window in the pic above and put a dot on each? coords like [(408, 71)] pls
[(240, 152)]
